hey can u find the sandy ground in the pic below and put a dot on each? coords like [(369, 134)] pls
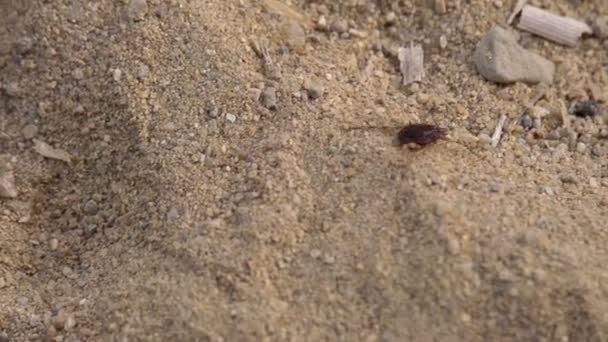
[(192, 212)]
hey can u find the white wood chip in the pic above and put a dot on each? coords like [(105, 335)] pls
[(411, 63), (551, 26), (498, 131), (48, 151)]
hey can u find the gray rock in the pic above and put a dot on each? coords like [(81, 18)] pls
[(600, 27), (7, 185), (339, 26), (314, 88), (137, 9), (90, 208), (29, 131), (499, 58), (270, 98)]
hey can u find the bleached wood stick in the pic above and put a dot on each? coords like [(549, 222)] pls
[(412, 60), (518, 6), (498, 131), (551, 26)]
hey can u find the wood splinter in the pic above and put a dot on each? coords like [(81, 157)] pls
[(411, 63), (498, 131), (562, 30)]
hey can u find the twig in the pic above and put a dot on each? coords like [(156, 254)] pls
[(498, 131)]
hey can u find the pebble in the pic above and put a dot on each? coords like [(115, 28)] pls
[(390, 18), (581, 147), (53, 244), (67, 271), (24, 45), (593, 182), (600, 27), (90, 208), (22, 300), (294, 36), (2, 282), (137, 9), (315, 89), (70, 323), (585, 108), (172, 215), (78, 74), (29, 131), (499, 58), (549, 191), (339, 26), (269, 97), (4, 337), (230, 117), (142, 71), (117, 74), (315, 253), (7, 185)]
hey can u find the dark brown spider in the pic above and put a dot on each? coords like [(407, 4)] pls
[(421, 134)]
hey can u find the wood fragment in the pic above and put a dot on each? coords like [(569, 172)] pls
[(440, 7), (411, 63), (498, 131), (564, 112), (48, 151), (516, 9), (559, 29)]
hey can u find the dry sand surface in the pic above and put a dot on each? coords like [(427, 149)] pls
[(211, 197)]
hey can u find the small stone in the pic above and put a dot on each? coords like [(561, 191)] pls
[(600, 27), (137, 9), (29, 131), (24, 45), (390, 18), (172, 215), (329, 259), (585, 108), (22, 300), (70, 323), (230, 117), (214, 112), (568, 179), (90, 230), (90, 208), (78, 74), (339, 26), (443, 42), (581, 147), (526, 121), (553, 135), (270, 98), (67, 271), (142, 71), (53, 244), (4, 337), (59, 320), (453, 246), (549, 191), (315, 253), (315, 89), (499, 58), (117, 74), (294, 36), (593, 182), (7, 185)]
